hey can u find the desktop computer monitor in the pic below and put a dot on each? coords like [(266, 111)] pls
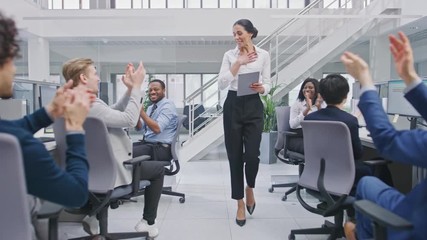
[(46, 94), (396, 102)]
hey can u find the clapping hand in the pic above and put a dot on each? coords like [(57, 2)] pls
[(76, 107), (127, 81), (319, 101), (357, 68), (403, 57), (308, 99)]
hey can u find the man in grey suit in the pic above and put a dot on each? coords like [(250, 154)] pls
[(123, 114)]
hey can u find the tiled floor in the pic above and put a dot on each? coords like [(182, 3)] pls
[(209, 212)]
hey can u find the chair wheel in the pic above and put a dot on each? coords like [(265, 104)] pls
[(271, 189), (284, 198), (182, 200), (291, 237)]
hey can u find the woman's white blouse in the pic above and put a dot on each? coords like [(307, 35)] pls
[(261, 64), (297, 115)]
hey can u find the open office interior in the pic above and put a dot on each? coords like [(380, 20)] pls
[(182, 43)]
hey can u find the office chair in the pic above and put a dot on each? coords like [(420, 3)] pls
[(15, 213), (198, 120), (381, 218), (328, 174), (102, 176), (174, 167), (281, 149)]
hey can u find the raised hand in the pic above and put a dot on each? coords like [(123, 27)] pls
[(56, 107), (357, 68), (127, 81), (403, 57), (76, 107), (138, 75), (308, 100), (319, 101)]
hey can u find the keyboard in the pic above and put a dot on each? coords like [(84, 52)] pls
[(46, 139)]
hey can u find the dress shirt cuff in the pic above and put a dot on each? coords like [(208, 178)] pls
[(367, 88), (412, 85), (75, 132)]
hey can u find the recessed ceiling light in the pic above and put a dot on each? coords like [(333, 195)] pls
[(414, 28), (163, 38)]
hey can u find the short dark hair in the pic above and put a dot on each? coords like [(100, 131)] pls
[(301, 96), (9, 48), (248, 26), (159, 81), (334, 88)]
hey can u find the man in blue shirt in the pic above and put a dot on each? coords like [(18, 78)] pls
[(159, 124), (405, 146), (44, 179)]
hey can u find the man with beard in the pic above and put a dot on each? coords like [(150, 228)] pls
[(159, 123), (44, 179)]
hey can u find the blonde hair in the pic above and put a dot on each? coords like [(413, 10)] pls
[(74, 67)]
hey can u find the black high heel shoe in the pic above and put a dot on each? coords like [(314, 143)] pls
[(241, 222), (250, 208)]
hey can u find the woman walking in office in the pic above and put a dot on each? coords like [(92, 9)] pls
[(308, 101), (243, 115)]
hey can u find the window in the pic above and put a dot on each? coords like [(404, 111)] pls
[(72, 4), (175, 3), (123, 4), (192, 83), (175, 89), (210, 95), (244, 4), (283, 4), (225, 4), (137, 4), (262, 4), (194, 3), (210, 3), (158, 4), (296, 3)]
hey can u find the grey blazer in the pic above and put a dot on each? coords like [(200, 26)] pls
[(123, 114)]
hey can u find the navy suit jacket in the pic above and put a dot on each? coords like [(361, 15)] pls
[(332, 113), (43, 177), (406, 146)]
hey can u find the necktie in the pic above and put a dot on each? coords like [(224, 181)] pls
[(153, 109)]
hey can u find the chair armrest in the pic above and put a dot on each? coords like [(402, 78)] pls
[(376, 162), (137, 160), (49, 210), (381, 215), (136, 170)]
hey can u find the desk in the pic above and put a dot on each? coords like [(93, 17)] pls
[(365, 139), (50, 146), (401, 173)]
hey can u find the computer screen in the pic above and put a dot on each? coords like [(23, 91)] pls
[(46, 94), (396, 102)]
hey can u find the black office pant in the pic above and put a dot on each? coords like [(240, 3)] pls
[(296, 143), (154, 172), (157, 151), (243, 123)]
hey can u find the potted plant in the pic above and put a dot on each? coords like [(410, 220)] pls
[(269, 133)]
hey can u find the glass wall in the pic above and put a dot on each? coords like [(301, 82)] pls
[(137, 4)]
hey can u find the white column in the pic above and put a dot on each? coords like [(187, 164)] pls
[(38, 59), (380, 59)]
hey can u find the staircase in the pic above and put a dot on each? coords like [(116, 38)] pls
[(298, 48)]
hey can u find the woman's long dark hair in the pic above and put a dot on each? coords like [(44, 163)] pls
[(315, 82)]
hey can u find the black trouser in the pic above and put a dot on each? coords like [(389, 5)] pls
[(154, 172), (243, 123), (157, 151), (296, 143)]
